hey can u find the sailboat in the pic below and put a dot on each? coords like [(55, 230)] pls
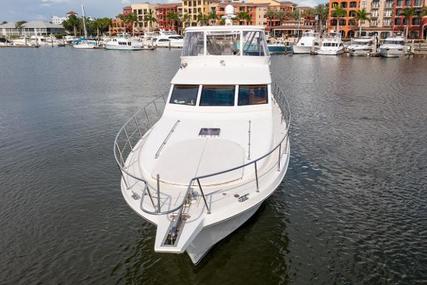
[(85, 43)]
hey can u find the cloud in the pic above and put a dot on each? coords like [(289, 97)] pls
[(125, 2), (52, 2), (309, 3)]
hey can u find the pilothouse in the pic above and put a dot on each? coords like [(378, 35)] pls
[(203, 166)]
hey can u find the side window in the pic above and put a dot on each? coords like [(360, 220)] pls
[(184, 94), (217, 95), (252, 95)]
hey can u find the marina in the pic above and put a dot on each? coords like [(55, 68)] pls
[(353, 196), (214, 142)]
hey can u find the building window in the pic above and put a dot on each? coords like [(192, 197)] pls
[(353, 4), (399, 3), (408, 3), (416, 21)]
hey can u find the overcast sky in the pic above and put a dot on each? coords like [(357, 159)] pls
[(15, 10)]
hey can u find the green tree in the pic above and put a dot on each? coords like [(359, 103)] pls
[(213, 17), (174, 18), (19, 26), (322, 11), (101, 25), (407, 13), (72, 24), (281, 16), (243, 16), (150, 19), (202, 19), (185, 20), (270, 14), (361, 17), (338, 13), (129, 20)]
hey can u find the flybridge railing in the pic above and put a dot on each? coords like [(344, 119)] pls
[(128, 139)]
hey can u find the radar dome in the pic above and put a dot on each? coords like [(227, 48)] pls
[(229, 10)]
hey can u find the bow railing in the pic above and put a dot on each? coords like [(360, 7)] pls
[(128, 139)]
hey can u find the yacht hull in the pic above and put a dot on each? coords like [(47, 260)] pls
[(301, 49), (330, 52), (391, 53)]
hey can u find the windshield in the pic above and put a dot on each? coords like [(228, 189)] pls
[(193, 44), (254, 43), (223, 44), (217, 96), (184, 94), (252, 95)]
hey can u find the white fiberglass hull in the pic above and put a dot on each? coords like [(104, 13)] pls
[(360, 52), (212, 233), (129, 48), (330, 52), (84, 46), (301, 49), (391, 52), (178, 44)]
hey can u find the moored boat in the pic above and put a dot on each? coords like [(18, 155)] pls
[(203, 166), (307, 44), (363, 46), (393, 46), (331, 45)]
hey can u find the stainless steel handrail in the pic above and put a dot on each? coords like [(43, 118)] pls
[(279, 98)]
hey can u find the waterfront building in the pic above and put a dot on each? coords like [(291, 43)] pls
[(162, 12), (381, 18), (144, 11), (347, 24), (118, 26), (31, 28), (194, 8), (414, 23)]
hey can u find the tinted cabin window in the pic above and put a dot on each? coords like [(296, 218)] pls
[(253, 95), (184, 94), (217, 96)]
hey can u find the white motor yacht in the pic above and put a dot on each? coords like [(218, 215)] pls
[(124, 43), (363, 46), (331, 45), (307, 43), (169, 40), (203, 165), (393, 47), (85, 44)]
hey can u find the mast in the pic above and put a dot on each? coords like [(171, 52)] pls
[(84, 21)]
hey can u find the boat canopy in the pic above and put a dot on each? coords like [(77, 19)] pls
[(225, 41)]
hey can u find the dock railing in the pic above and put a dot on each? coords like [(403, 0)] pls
[(129, 138)]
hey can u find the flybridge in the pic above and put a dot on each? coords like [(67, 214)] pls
[(225, 41)]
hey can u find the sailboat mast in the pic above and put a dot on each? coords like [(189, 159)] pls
[(84, 21)]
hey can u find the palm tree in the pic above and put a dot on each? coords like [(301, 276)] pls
[(322, 12), (270, 14), (338, 13), (19, 26), (150, 19), (185, 19), (213, 17), (202, 19), (407, 13), (243, 16), (174, 18), (280, 15), (361, 17)]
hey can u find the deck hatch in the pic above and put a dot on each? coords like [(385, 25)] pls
[(209, 132)]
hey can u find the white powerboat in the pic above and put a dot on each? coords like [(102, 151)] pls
[(307, 43), (85, 44), (124, 43), (169, 40), (203, 166), (364, 46), (393, 47), (331, 45)]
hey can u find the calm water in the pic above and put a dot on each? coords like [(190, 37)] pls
[(351, 210)]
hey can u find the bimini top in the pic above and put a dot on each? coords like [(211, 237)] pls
[(225, 41)]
